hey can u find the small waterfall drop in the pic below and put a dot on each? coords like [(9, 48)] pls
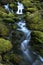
[(20, 8), (8, 9)]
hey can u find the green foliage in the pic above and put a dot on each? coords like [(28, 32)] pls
[(8, 20), (5, 45), (37, 38), (16, 58), (27, 3), (31, 9), (4, 31), (0, 58), (39, 35), (1, 64), (33, 17), (34, 21), (6, 57)]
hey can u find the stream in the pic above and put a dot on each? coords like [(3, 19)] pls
[(30, 57)]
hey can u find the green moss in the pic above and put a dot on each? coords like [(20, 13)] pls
[(7, 63), (31, 9), (6, 57), (33, 17), (5, 45), (34, 21), (12, 5), (37, 39), (4, 31), (0, 58), (16, 58), (27, 3), (7, 17), (36, 27), (14, 26), (8, 20), (38, 34), (2, 9), (1, 64)]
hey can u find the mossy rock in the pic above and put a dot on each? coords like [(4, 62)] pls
[(13, 6), (38, 27), (8, 20), (0, 58), (4, 31), (14, 26), (37, 41), (2, 9), (27, 3), (6, 57), (16, 58), (5, 45), (31, 10), (34, 21), (17, 38), (33, 17), (1, 64), (7, 63), (7, 1)]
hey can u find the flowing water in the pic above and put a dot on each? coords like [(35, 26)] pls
[(7, 8), (31, 57), (27, 52), (20, 8)]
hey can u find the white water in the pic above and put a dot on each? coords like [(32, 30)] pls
[(8, 9), (24, 44), (20, 8)]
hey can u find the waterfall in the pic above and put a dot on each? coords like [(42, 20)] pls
[(8, 9), (20, 8), (25, 48), (32, 58)]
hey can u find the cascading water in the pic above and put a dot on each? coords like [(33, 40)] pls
[(8, 9), (30, 57), (20, 8), (24, 44)]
